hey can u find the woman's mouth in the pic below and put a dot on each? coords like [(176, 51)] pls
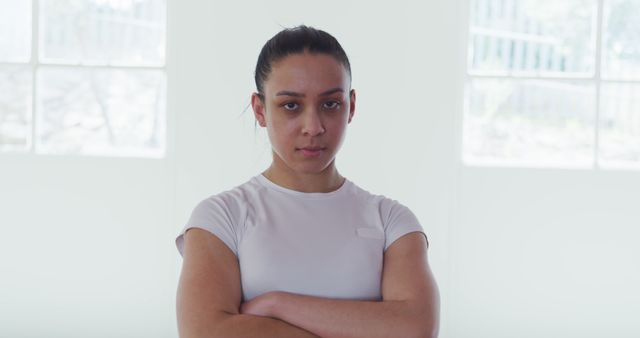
[(311, 152)]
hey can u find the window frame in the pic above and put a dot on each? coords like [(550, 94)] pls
[(593, 78), (35, 64)]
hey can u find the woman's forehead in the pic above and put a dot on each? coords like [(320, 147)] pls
[(306, 72)]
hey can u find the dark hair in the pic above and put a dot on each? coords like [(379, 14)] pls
[(293, 41)]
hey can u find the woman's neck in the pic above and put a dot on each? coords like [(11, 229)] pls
[(326, 181)]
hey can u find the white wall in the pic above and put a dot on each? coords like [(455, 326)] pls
[(546, 253), (84, 248), (88, 249)]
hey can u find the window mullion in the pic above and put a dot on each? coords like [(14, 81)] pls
[(35, 34), (100, 66), (598, 76), (559, 77)]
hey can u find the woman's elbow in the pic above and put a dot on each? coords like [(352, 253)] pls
[(424, 331), (430, 333), (426, 328)]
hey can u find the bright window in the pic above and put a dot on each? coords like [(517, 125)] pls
[(83, 77), (553, 84)]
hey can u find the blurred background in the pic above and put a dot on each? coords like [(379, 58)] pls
[(510, 127)]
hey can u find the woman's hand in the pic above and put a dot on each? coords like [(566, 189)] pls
[(262, 305)]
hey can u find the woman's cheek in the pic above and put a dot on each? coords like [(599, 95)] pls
[(290, 126)]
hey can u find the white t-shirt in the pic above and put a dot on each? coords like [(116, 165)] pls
[(319, 244)]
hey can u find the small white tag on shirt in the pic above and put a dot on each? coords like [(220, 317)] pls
[(369, 232)]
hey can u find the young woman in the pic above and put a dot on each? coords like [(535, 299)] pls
[(299, 250)]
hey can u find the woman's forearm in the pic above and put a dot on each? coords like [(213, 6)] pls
[(331, 318), (244, 325), (351, 319)]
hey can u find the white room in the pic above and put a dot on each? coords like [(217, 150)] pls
[(511, 129)]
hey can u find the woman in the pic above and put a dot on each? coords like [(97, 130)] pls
[(299, 250)]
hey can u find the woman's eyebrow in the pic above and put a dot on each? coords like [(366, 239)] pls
[(291, 93), (331, 91)]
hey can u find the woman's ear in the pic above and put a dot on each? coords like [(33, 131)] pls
[(352, 104), (257, 103)]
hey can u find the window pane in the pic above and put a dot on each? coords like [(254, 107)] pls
[(531, 36), (619, 131), (114, 32), (100, 112), (15, 30), (15, 107), (621, 39), (529, 122)]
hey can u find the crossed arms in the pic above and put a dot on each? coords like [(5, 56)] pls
[(209, 296)]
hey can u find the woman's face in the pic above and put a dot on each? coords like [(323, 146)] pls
[(306, 108)]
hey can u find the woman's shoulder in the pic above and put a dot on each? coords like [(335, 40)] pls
[(233, 197), (380, 199), (387, 207)]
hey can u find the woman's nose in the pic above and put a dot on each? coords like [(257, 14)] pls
[(312, 123)]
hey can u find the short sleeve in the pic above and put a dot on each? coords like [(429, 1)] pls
[(400, 221), (215, 216)]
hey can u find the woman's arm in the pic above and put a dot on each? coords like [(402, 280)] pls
[(243, 326), (410, 305), (209, 295)]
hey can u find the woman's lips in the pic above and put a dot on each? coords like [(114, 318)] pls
[(311, 152)]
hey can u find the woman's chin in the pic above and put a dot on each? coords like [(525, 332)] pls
[(311, 168)]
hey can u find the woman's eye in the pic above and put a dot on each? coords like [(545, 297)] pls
[(332, 104), (290, 106)]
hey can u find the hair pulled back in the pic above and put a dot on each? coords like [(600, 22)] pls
[(296, 40)]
